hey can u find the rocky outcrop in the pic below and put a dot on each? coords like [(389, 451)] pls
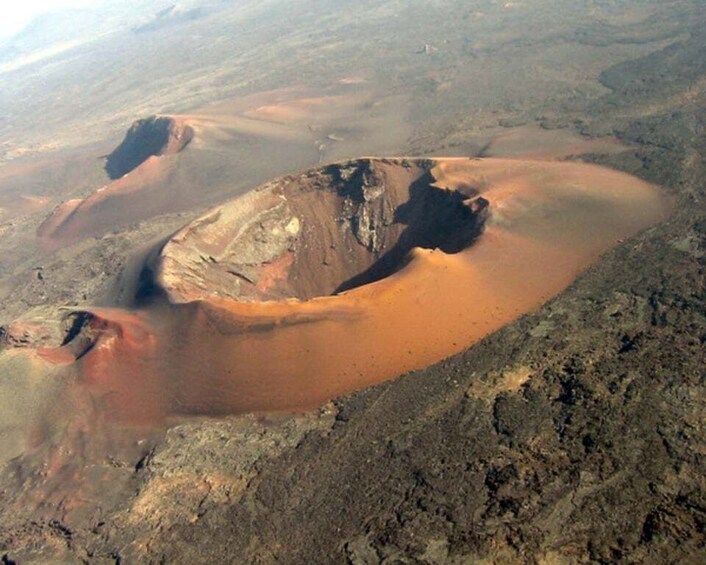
[(72, 336), (23, 333), (363, 205)]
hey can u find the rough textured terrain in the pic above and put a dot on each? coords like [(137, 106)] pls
[(574, 435), (318, 232)]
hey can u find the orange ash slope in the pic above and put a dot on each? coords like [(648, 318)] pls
[(78, 218), (142, 168), (549, 221)]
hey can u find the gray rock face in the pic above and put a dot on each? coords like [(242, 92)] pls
[(223, 253), (364, 207)]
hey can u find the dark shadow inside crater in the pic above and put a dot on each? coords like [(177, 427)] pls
[(435, 219)]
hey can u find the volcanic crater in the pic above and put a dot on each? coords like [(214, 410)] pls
[(319, 233), (139, 173), (327, 281), (154, 136)]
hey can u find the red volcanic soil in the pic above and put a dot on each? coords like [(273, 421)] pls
[(152, 175), (77, 218), (142, 170), (435, 254)]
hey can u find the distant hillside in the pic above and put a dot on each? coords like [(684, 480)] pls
[(171, 16), (74, 25)]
